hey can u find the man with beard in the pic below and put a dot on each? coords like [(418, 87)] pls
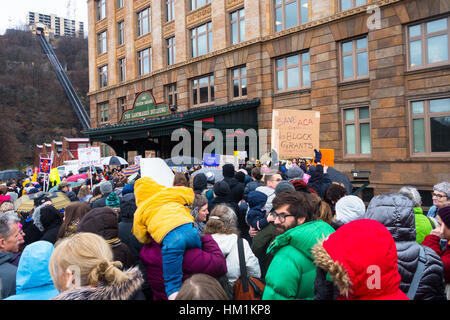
[(291, 273)]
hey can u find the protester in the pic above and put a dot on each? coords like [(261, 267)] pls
[(236, 189), (105, 188), (292, 272), (10, 239), (350, 256), (256, 217), (200, 183), (162, 215), (322, 210), (96, 195), (84, 193), (113, 202), (333, 193), (199, 210), (201, 287), (424, 225), (73, 213), (104, 222), (33, 280), (179, 180), (255, 183), (208, 260), (100, 278), (127, 210), (433, 241), (396, 213), (441, 198), (295, 176), (348, 208), (51, 222), (271, 180), (222, 225)]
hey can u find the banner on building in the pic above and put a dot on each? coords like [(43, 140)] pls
[(88, 157), (295, 133)]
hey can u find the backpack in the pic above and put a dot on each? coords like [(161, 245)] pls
[(247, 288)]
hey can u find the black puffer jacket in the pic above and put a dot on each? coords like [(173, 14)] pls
[(396, 213)]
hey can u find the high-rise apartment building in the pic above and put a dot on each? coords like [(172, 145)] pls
[(56, 26), (378, 72)]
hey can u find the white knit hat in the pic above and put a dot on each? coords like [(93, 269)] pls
[(349, 208)]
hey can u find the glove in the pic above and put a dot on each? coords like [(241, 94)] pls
[(317, 156)]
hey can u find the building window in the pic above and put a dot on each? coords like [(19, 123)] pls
[(430, 126), (121, 33), (101, 42), (103, 112), (239, 82), (104, 150), (203, 90), (101, 10), (198, 3), (428, 43), (354, 59), (103, 76), (237, 26), (122, 69), (121, 106), (171, 53), (201, 40), (144, 61), (170, 10), (290, 13), (293, 72), (171, 94), (143, 22), (348, 4), (120, 4), (357, 131)]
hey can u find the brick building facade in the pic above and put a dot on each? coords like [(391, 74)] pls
[(381, 85)]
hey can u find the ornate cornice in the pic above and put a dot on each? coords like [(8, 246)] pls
[(198, 16), (231, 5), (168, 29)]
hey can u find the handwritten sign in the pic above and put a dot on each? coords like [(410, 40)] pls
[(295, 133), (89, 157)]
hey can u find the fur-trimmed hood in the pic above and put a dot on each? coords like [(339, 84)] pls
[(361, 258), (123, 291)]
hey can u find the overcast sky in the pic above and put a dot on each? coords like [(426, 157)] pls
[(14, 12)]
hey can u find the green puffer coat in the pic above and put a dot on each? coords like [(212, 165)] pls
[(291, 273)]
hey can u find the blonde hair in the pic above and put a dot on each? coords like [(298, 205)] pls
[(90, 256), (222, 219), (83, 192)]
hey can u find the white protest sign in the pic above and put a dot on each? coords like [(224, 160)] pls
[(157, 169), (88, 157)]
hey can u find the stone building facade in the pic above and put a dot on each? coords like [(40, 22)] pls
[(378, 71)]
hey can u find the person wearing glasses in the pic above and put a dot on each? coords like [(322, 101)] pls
[(441, 198), (292, 272), (271, 180)]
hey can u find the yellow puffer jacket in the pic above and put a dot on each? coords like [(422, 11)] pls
[(159, 209)]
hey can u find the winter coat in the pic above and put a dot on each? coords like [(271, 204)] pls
[(348, 256), (259, 246), (423, 225), (432, 241), (228, 244), (396, 213), (128, 290), (291, 273), (270, 193), (208, 260), (319, 181), (256, 216), (103, 222), (7, 275), (33, 280), (236, 189), (251, 186), (99, 203), (127, 210), (159, 209)]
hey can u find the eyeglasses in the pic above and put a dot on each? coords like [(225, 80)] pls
[(438, 195), (277, 180), (281, 216)]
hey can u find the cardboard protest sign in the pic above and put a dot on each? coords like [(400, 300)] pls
[(295, 133), (157, 169)]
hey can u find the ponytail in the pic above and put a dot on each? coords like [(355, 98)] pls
[(108, 272)]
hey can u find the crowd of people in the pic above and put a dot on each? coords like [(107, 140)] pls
[(303, 236)]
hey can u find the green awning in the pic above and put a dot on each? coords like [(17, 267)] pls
[(230, 116)]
